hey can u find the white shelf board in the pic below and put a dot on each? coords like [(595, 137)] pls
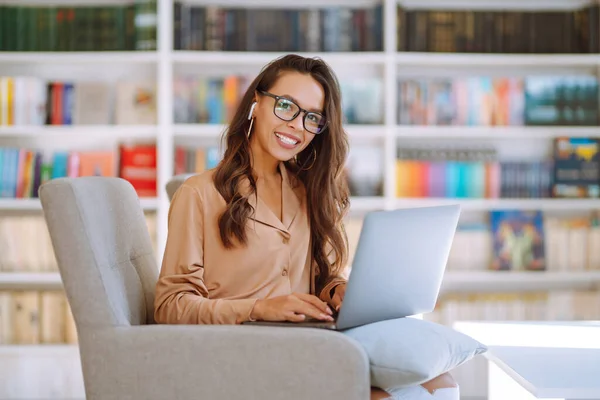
[(198, 130), (112, 57), (503, 204), (215, 130), (372, 203), (148, 204), (38, 350), (516, 281), (464, 60), (113, 131), (277, 4), (30, 280), (502, 5), (501, 132), (261, 58), (365, 131)]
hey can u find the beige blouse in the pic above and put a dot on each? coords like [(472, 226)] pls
[(201, 282)]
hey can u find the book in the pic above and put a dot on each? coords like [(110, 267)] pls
[(518, 240), (576, 171), (97, 163), (136, 103)]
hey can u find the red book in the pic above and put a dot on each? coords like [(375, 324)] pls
[(57, 103), (138, 166)]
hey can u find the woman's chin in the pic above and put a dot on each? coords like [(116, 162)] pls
[(282, 156)]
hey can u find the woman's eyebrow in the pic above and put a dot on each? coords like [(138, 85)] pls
[(287, 96)]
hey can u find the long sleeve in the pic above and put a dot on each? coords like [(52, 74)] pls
[(182, 296), (325, 294), (333, 281)]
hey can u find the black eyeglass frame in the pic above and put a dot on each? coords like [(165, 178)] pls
[(300, 109)]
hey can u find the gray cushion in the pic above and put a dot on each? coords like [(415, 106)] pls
[(408, 351)]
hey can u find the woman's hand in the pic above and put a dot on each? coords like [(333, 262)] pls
[(295, 307), (338, 296)]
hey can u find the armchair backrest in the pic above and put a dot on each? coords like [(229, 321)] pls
[(103, 249), (174, 184)]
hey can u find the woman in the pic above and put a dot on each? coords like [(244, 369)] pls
[(261, 236)]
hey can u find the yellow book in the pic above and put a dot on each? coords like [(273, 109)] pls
[(403, 178), (10, 101)]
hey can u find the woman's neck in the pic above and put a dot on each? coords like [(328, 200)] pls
[(264, 173), (264, 166)]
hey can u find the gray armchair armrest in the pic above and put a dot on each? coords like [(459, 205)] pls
[(223, 362)]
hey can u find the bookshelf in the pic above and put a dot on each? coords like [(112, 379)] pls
[(166, 63)]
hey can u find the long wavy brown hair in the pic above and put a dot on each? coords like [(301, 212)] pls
[(325, 183)]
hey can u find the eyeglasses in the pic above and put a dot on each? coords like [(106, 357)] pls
[(288, 110)]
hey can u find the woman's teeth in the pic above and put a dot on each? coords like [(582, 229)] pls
[(286, 139)]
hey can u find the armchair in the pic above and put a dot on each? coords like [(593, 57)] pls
[(174, 184), (109, 272)]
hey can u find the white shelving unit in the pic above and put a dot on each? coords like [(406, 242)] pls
[(165, 63), (390, 64)]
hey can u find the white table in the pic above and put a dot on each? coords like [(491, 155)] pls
[(517, 372), (539, 359)]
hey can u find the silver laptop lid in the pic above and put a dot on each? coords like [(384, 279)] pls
[(399, 264)]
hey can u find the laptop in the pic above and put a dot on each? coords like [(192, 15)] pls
[(397, 269)]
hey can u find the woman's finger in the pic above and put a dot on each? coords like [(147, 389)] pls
[(315, 301), (304, 307), (293, 317)]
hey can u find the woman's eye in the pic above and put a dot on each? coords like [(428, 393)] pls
[(285, 105)]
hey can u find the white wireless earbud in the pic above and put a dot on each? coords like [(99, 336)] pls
[(251, 110)]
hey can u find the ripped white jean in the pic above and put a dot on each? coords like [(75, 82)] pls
[(418, 392)]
